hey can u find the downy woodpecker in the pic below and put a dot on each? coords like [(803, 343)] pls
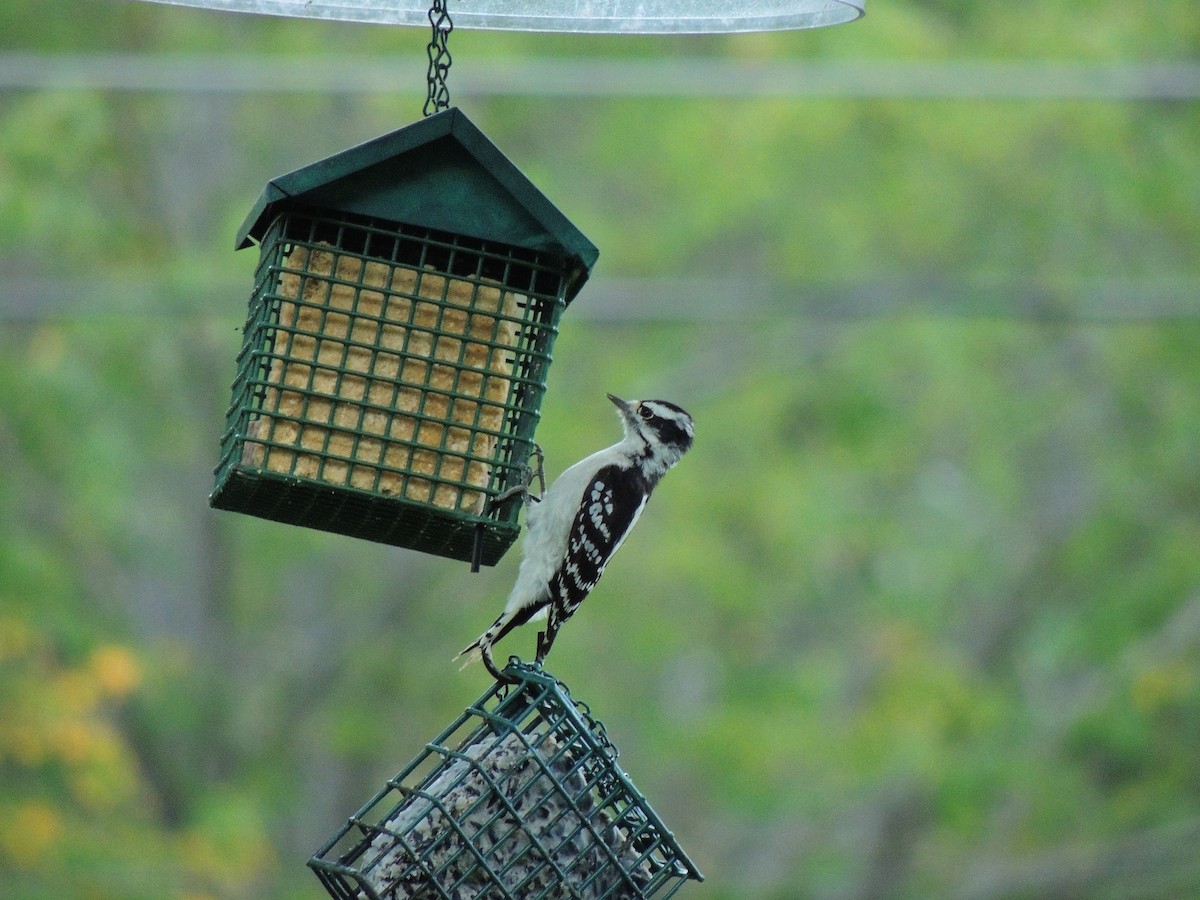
[(583, 519)]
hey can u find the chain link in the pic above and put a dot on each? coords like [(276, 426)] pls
[(439, 58)]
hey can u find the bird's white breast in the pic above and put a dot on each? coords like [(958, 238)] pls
[(548, 527)]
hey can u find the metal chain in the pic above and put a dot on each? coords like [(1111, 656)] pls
[(439, 58)]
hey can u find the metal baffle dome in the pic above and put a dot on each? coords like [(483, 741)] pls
[(398, 341), (611, 16)]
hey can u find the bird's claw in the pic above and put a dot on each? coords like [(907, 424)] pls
[(540, 472), (527, 474), (490, 664)]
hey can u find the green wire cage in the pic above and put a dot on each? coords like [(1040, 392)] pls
[(521, 797), (399, 336)]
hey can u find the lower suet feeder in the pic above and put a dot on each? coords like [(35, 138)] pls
[(399, 336), (521, 797)]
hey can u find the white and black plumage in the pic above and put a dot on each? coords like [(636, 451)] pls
[(583, 519)]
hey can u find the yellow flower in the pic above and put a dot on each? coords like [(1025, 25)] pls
[(75, 692), (115, 669), (23, 743), (74, 740), (32, 831)]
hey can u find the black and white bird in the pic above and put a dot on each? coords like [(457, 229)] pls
[(583, 519)]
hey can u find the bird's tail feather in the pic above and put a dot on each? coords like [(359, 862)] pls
[(474, 650), (472, 653), (504, 623)]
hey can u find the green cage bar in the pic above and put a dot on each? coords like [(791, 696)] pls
[(399, 336), (521, 797)]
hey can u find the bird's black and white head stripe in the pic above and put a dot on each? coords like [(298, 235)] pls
[(662, 431), (671, 424)]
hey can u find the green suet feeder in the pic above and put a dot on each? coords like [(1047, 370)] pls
[(520, 798), (405, 306)]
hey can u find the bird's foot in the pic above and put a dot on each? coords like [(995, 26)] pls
[(527, 475), (539, 472), (543, 648), (498, 674)]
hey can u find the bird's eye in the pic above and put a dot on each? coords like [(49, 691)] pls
[(645, 413)]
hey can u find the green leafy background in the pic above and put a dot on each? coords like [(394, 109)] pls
[(918, 617)]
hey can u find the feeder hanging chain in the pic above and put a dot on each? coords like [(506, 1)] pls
[(439, 58)]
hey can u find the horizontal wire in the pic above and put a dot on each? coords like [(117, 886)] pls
[(598, 77), (1126, 300), (699, 300)]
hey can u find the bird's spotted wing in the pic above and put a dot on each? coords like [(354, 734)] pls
[(611, 504)]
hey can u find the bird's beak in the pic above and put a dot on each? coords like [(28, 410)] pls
[(625, 408)]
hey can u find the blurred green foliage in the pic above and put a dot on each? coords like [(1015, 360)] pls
[(919, 616)]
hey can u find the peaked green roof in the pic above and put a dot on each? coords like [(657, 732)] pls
[(440, 172)]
